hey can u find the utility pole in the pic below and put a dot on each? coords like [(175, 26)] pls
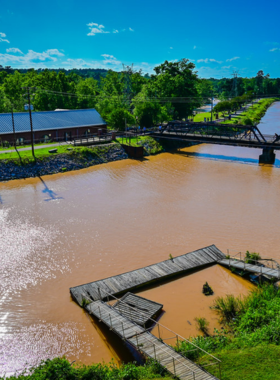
[(30, 116), (212, 98), (234, 83)]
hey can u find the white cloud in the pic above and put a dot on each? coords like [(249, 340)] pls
[(14, 50), (274, 49), (31, 58), (77, 63), (96, 29), (115, 31), (214, 60), (110, 59), (206, 60), (232, 59), (131, 29), (2, 38), (55, 52), (194, 47), (171, 47), (226, 67)]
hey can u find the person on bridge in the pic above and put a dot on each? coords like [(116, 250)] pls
[(277, 137)]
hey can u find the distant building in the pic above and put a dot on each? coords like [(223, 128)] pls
[(51, 125)]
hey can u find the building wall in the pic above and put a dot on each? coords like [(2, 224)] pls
[(54, 135)]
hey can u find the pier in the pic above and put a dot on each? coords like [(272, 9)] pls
[(126, 282)]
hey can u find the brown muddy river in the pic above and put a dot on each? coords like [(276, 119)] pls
[(68, 229)]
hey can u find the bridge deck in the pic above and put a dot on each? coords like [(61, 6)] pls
[(128, 281), (250, 268), (148, 344), (212, 139)]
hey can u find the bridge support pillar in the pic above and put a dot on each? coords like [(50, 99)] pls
[(267, 156)]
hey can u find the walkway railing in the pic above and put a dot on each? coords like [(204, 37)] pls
[(161, 328), (262, 263), (138, 346)]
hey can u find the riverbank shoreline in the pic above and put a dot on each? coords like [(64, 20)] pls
[(76, 159)]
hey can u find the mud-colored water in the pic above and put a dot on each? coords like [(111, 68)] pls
[(68, 229)]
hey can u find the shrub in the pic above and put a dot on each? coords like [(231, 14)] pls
[(202, 325)]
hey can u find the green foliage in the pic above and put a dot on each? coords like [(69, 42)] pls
[(170, 257), (228, 307), (85, 302), (120, 117), (252, 257), (61, 369), (202, 325)]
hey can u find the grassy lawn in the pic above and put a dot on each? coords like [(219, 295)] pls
[(258, 363), (201, 116), (134, 141), (44, 152)]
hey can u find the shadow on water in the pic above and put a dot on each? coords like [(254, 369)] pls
[(221, 157), (118, 347), (47, 190)]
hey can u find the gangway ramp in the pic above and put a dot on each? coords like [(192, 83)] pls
[(148, 344), (242, 265)]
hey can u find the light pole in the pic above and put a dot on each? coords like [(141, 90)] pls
[(30, 116)]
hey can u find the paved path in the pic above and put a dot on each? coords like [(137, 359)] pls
[(51, 146)]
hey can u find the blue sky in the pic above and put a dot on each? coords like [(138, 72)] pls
[(219, 37)]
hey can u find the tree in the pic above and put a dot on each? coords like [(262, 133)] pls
[(120, 117), (176, 79)]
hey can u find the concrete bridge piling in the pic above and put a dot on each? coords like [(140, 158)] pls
[(267, 156)]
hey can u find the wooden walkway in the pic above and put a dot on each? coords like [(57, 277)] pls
[(239, 264), (147, 343), (128, 281)]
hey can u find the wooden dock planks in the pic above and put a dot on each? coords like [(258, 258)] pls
[(132, 280), (168, 358), (250, 267), (137, 309), (147, 343)]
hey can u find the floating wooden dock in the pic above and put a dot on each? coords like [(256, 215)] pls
[(242, 265), (149, 345), (135, 279)]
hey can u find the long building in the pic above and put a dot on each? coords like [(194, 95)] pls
[(50, 125)]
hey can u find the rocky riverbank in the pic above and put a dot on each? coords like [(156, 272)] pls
[(77, 158), (74, 160)]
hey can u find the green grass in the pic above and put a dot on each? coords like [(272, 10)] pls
[(39, 153), (201, 116), (256, 363), (254, 113)]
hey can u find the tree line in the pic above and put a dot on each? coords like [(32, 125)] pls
[(129, 97)]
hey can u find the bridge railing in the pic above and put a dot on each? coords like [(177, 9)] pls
[(161, 330)]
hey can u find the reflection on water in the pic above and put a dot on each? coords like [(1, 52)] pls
[(117, 217)]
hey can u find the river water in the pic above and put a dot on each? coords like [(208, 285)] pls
[(64, 230)]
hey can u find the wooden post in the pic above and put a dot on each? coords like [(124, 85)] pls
[(158, 331), (174, 366), (137, 339), (110, 321), (155, 352), (123, 331), (99, 314)]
